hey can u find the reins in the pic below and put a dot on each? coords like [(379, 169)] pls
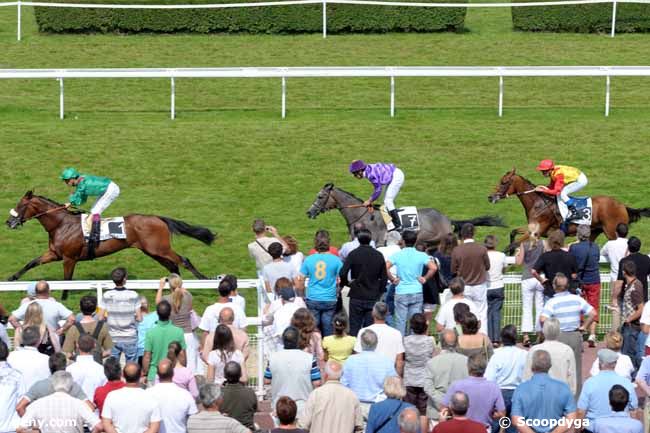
[(38, 215)]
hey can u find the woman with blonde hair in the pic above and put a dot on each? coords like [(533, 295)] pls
[(532, 291), (181, 315), (310, 339), (624, 366), (49, 342)]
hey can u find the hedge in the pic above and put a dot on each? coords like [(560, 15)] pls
[(273, 19), (592, 18)]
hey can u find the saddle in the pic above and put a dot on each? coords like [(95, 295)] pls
[(110, 228), (408, 215)]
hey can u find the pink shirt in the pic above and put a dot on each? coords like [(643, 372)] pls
[(184, 378)]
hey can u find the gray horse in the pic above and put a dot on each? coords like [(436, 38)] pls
[(434, 226)]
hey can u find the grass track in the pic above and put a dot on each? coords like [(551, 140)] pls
[(229, 158)]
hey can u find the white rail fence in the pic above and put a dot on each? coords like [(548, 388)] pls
[(19, 4), (285, 73)]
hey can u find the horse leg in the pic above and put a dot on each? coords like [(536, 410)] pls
[(48, 257), (175, 260), (170, 265), (68, 271), (515, 232), (595, 232), (190, 267)]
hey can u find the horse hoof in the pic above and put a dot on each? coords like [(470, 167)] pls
[(13, 278)]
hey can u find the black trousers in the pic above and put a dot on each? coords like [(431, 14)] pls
[(360, 314)]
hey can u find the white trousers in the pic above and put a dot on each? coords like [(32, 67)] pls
[(192, 351), (478, 295), (105, 200), (573, 187), (532, 292), (393, 189)]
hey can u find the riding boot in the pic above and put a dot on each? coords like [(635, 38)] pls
[(395, 218), (93, 239)]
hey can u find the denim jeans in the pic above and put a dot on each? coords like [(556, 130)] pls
[(405, 307), (495, 299), (630, 347), (507, 399), (389, 299), (640, 347), (323, 312), (129, 348), (360, 314)]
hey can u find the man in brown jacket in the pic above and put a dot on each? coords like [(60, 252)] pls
[(470, 262)]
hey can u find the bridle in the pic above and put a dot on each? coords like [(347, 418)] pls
[(321, 208), (23, 220)]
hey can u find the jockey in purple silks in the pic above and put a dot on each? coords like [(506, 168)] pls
[(380, 175)]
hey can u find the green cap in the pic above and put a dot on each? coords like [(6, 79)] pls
[(69, 173)]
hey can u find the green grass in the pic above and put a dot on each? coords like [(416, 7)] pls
[(229, 158)]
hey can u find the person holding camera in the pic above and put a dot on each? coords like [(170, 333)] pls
[(456, 417), (259, 248)]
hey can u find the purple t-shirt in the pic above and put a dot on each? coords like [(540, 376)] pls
[(484, 398), (379, 174)]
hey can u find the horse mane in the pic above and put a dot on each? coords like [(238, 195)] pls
[(531, 185), (57, 204)]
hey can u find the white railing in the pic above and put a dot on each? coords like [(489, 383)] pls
[(284, 73), (20, 3), (99, 286)]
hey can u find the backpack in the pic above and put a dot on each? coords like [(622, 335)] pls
[(97, 353)]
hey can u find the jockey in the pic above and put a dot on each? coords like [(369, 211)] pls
[(565, 180), (380, 175), (86, 185)]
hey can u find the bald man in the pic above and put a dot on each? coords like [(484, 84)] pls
[(409, 421), (176, 404), (227, 317), (130, 409), (333, 407)]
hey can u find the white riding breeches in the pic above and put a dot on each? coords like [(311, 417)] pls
[(105, 200), (393, 189), (573, 187)]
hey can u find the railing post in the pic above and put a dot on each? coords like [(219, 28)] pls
[(613, 18), (500, 95), (607, 96), (392, 96), (324, 19), (19, 20), (260, 341), (173, 101), (61, 112), (284, 97)]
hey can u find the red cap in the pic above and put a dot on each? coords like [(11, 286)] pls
[(545, 165)]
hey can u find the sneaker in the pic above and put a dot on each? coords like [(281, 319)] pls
[(592, 340)]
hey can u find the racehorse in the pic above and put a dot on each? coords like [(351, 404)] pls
[(542, 209), (434, 226), (150, 234)]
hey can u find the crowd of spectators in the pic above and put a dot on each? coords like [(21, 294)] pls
[(351, 344)]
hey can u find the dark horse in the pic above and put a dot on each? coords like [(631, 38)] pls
[(542, 209), (434, 226), (150, 234)]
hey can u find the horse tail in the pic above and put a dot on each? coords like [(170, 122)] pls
[(483, 221), (197, 232), (637, 214)]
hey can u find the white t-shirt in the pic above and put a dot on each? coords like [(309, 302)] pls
[(445, 316), (210, 318), (88, 374), (497, 266), (645, 319), (176, 405), (389, 340), (614, 251), (282, 317), (52, 311), (215, 359), (388, 251), (131, 409), (240, 301), (295, 260), (31, 363), (276, 270), (12, 388), (624, 367)]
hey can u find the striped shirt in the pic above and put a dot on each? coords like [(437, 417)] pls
[(567, 309), (12, 387), (121, 305), (59, 413), (214, 422), (364, 374)]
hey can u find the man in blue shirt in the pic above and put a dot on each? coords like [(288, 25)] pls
[(322, 269), (410, 263), (618, 421), (541, 399), (594, 402)]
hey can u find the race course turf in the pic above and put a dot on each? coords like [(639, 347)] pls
[(229, 157)]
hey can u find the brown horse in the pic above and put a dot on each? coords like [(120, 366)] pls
[(542, 209), (150, 234)]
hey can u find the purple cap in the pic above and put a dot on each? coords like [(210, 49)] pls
[(357, 165)]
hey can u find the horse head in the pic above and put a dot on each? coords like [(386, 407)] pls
[(505, 188), (23, 211), (324, 201)]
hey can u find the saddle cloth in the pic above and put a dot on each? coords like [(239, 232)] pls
[(582, 204), (109, 228), (408, 215)]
